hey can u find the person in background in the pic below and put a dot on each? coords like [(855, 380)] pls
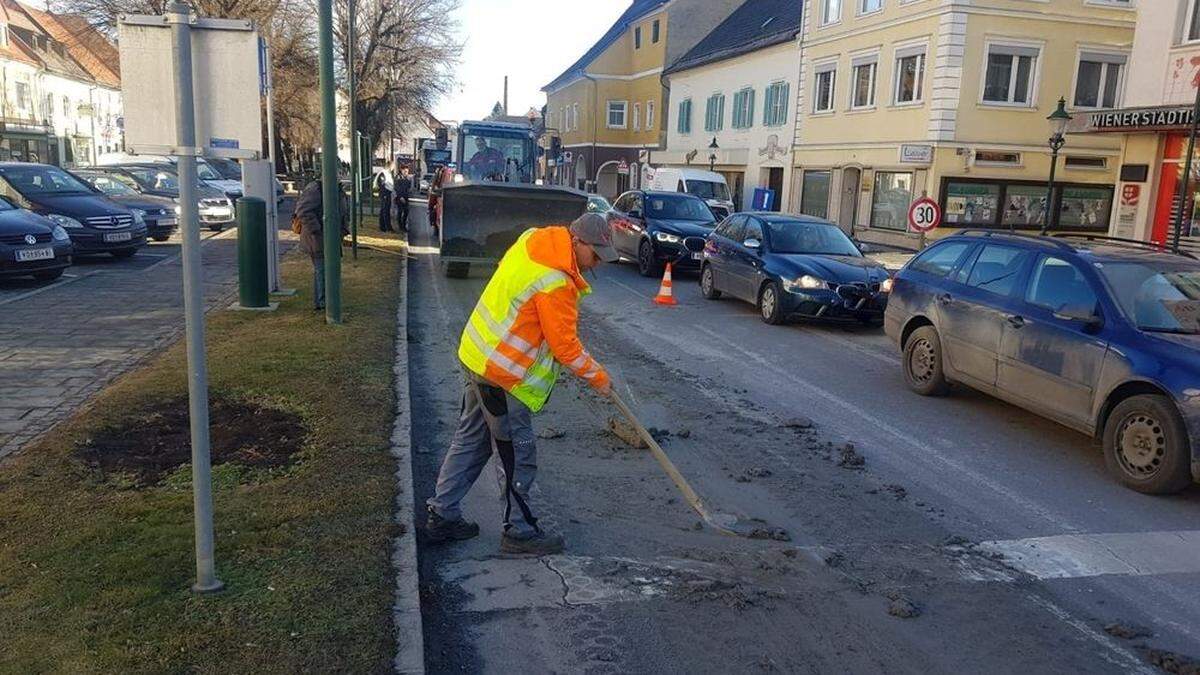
[(402, 190), (384, 181), (310, 211)]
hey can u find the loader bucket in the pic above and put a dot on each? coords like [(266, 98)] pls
[(481, 220)]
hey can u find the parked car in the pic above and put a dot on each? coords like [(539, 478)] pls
[(655, 228), (160, 213), (231, 169), (1097, 334), (207, 174), (707, 185), (216, 210), (793, 266), (597, 204), (95, 223), (31, 245)]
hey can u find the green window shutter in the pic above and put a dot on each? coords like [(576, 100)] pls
[(749, 117)]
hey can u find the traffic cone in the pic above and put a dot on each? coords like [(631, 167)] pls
[(664, 296)]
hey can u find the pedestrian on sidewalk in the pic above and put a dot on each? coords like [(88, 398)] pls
[(403, 190), (523, 330), (311, 212), (384, 181)]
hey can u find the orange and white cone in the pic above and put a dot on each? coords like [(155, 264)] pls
[(664, 296)]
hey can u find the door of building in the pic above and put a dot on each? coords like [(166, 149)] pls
[(1171, 198), (848, 213), (775, 183)]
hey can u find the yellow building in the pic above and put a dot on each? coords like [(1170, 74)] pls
[(609, 108), (949, 98)]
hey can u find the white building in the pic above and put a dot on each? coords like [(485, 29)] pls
[(738, 86)]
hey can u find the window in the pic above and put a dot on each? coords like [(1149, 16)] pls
[(997, 268), (939, 259), (714, 113), (637, 116), (575, 116), (996, 157), (831, 11), (753, 230), (814, 194), (48, 106), (823, 90), (616, 114), (654, 29), (776, 105), (743, 109), (1084, 162), (972, 203), (1057, 285), (637, 37), (1023, 204), (910, 75), (890, 199), (685, 116), (868, 6), (23, 100), (733, 227), (4, 35), (649, 115), (863, 95), (1084, 208), (1098, 80), (1193, 32), (1009, 74)]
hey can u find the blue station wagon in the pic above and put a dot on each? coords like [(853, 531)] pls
[(1101, 335)]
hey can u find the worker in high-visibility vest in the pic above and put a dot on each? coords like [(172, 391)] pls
[(523, 330)]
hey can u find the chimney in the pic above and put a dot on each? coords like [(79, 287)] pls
[(505, 94)]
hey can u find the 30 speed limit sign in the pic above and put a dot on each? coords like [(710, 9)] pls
[(924, 215)]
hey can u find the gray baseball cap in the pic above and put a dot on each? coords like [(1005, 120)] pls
[(592, 229)]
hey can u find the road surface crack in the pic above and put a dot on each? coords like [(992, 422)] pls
[(565, 589)]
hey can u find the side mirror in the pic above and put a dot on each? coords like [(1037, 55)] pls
[(752, 244)]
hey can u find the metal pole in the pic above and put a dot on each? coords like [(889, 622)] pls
[(276, 283), (1055, 145), (178, 15), (1185, 189), (355, 157), (330, 189)]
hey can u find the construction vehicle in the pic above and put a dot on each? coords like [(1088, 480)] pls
[(495, 195)]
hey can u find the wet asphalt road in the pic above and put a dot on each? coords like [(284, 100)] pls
[(1003, 529)]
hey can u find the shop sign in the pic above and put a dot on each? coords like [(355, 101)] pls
[(1127, 209), (911, 153), (1138, 119)]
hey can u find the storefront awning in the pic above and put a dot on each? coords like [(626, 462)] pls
[(1132, 120)]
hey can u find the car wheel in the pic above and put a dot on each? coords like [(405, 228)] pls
[(161, 237), (923, 363), (124, 253), (1146, 445), (48, 276), (708, 286), (647, 265), (770, 306)]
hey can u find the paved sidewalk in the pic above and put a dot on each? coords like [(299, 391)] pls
[(65, 342)]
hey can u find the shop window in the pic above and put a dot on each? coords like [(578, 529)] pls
[(994, 157), (1084, 162), (685, 116), (863, 95), (910, 75), (1084, 208), (1098, 80), (617, 111), (890, 199), (743, 109), (776, 105), (1008, 77), (831, 11), (814, 194), (714, 113), (823, 89), (1023, 204), (972, 203)]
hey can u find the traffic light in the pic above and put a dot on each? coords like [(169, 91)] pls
[(443, 137)]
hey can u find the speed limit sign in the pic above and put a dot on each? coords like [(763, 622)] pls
[(924, 215)]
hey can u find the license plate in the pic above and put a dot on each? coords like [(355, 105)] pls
[(27, 254), (167, 222), (118, 236), (697, 256)]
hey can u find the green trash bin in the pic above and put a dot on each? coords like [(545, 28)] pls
[(253, 288)]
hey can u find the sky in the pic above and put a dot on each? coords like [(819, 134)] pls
[(531, 41)]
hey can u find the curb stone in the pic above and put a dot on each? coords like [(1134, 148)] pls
[(406, 611)]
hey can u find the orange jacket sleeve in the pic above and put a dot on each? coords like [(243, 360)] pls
[(559, 317)]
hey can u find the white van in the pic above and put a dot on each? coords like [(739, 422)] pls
[(707, 185)]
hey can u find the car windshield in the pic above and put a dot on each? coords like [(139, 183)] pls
[(205, 172), (498, 157), (598, 204), (228, 168), (109, 186), (36, 179), (707, 189), (1157, 297), (815, 238), (677, 208), (155, 178)]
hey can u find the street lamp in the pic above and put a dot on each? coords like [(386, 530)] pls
[(1058, 125), (712, 156)]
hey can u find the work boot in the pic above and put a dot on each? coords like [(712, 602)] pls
[(438, 530), (540, 543)]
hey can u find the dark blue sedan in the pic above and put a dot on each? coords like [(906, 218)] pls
[(1097, 334), (793, 266)]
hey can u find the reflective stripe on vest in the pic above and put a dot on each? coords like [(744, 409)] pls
[(487, 340)]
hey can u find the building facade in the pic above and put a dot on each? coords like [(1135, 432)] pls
[(608, 107), (736, 89), (948, 98)]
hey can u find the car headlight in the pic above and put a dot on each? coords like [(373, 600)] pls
[(667, 237), (805, 283), (886, 286), (178, 210), (458, 178), (64, 221), (139, 216), (59, 233)]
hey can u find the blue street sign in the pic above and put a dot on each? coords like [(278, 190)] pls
[(764, 199)]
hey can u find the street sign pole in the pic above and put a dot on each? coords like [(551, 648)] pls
[(178, 16), (330, 189), (355, 156), (276, 283)]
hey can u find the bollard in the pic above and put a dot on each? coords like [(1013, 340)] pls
[(252, 253)]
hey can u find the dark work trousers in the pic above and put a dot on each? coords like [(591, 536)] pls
[(385, 210), (402, 213), (490, 420)]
